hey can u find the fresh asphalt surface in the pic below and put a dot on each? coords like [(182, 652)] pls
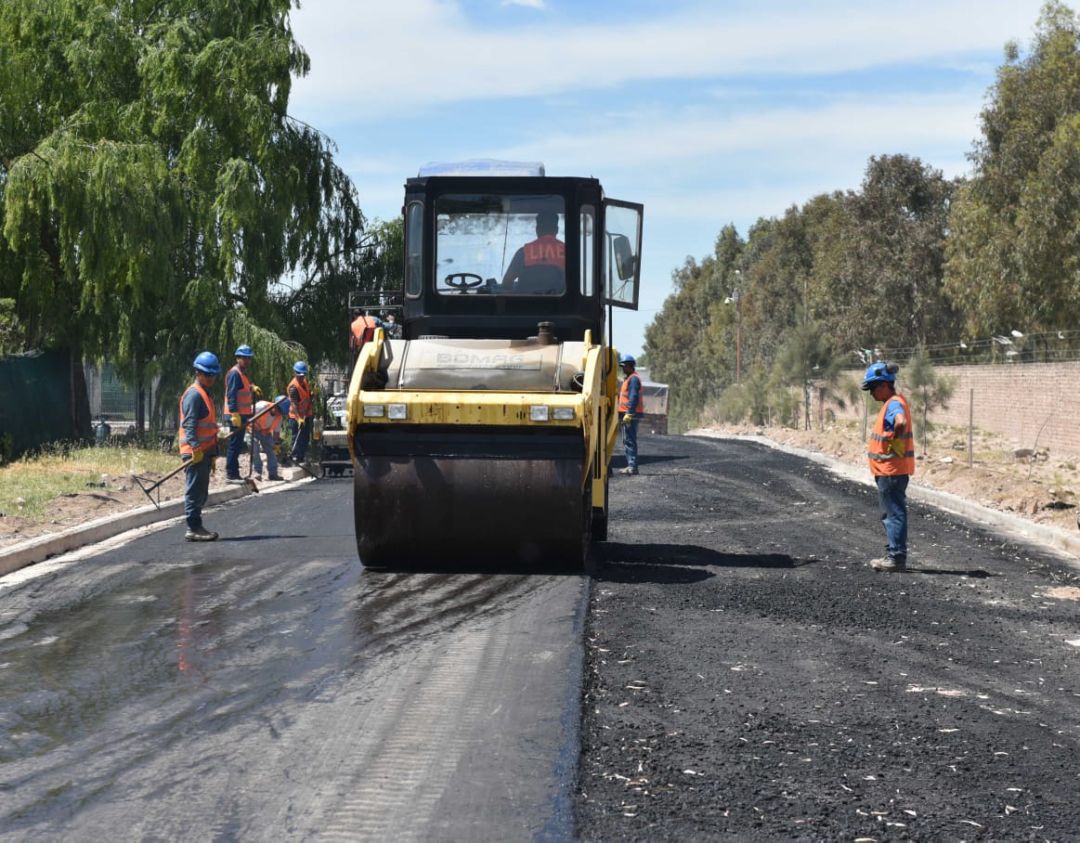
[(748, 676), (745, 676), (266, 687)]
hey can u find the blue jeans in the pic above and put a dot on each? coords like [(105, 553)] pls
[(630, 443), (263, 442), (892, 494), (300, 439), (236, 444), (197, 485)]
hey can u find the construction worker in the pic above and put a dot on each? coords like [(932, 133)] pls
[(266, 431), (891, 453), (539, 267), (391, 326), (301, 410), (631, 409), (239, 406), (198, 444), (362, 329)]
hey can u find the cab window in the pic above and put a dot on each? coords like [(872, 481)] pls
[(414, 248), (495, 244)]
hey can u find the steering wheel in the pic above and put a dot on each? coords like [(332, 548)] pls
[(462, 281)]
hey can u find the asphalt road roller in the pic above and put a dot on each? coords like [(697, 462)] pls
[(485, 432)]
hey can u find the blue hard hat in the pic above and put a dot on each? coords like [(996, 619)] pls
[(627, 358), (283, 404), (244, 351), (300, 367), (207, 363), (879, 373)]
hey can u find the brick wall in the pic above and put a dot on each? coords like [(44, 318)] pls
[(1012, 400)]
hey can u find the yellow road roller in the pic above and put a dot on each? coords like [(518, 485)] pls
[(485, 433)]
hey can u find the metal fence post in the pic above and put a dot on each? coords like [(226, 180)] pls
[(971, 426)]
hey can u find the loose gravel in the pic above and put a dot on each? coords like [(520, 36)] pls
[(748, 676)]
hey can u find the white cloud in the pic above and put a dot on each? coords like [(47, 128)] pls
[(529, 4), (656, 141), (413, 53)]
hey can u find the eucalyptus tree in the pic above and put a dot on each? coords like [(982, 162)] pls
[(153, 186), (1014, 247)]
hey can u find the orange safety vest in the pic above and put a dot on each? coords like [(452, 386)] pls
[(363, 329), (206, 428), (268, 423), (624, 396), (300, 409), (244, 395), (881, 449), (546, 250)]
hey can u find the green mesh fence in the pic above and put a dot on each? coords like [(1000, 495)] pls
[(36, 405)]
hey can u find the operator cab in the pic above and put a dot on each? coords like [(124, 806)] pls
[(494, 248)]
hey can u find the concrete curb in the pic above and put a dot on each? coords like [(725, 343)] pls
[(1011, 525), (40, 549)]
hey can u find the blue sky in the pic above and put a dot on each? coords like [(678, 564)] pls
[(707, 112)]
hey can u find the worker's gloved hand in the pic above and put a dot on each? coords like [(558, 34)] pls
[(196, 457), (234, 419), (627, 418), (256, 390), (897, 447)]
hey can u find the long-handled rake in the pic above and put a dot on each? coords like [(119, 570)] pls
[(155, 486)]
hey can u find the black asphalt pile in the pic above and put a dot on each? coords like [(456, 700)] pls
[(748, 675)]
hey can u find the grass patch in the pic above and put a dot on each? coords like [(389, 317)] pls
[(42, 477)]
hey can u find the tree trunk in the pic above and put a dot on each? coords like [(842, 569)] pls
[(81, 425)]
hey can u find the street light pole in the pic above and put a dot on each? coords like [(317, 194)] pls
[(738, 327)]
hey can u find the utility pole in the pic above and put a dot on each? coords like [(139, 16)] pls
[(737, 295)]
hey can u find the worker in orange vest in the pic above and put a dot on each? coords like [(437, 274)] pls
[(301, 410), (239, 406), (539, 267), (891, 453), (266, 429), (362, 329), (198, 444), (631, 408)]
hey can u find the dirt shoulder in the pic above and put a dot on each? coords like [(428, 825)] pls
[(99, 494), (1041, 488)]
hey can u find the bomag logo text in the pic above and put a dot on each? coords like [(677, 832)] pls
[(471, 360)]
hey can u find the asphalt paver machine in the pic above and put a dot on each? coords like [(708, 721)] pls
[(486, 432)]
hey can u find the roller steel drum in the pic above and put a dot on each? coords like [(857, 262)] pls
[(425, 497)]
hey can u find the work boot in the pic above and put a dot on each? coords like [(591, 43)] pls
[(628, 470), (275, 477), (200, 534), (235, 481), (888, 564)]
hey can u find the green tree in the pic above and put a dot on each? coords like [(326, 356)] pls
[(1014, 249), (896, 255), (11, 339), (806, 360), (690, 343), (927, 390), (315, 311), (153, 187)]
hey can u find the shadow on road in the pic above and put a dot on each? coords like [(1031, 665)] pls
[(975, 573), (649, 459), (264, 537), (676, 563)]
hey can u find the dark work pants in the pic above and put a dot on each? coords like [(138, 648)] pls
[(236, 444), (300, 438), (630, 443), (892, 494), (197, 485)]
